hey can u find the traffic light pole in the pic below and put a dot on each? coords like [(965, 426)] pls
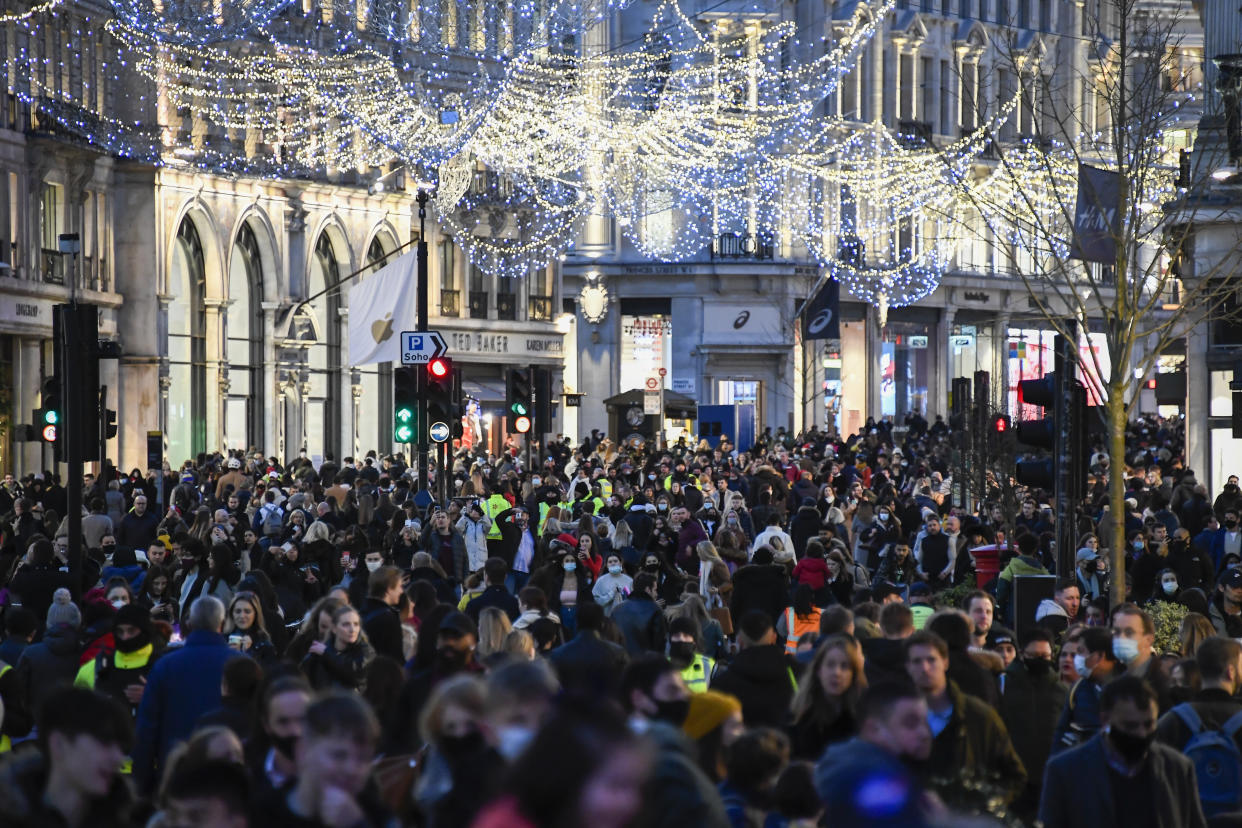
[(422, 327)]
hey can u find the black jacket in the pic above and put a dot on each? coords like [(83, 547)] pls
[(642, 623), (494, 596), (804, 526), (588, 666), (23, 779), (382, 624), (763, 587), (339, 669), (1030, 707), (37, 584), (762, 678)]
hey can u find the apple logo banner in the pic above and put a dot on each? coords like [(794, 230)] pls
[(381, 304)]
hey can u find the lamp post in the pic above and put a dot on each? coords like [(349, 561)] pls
[(424, 193)]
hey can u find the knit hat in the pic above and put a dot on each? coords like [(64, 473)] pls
[(63, 610), (568, 539), (135, 615), (708, 711)]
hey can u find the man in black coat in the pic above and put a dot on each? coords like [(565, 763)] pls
[(640, 523), (380, 620), (640, 618), (1220, 666), (37, 580), (495, 595), (1031, 700), (761, 675), (587, 665), (1122, 777), (761, 585)]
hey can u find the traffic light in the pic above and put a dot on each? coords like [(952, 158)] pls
[(440, 402), (50, 414), (543, 401), (999, 436), (404, 403), (518, 393), (1040, 433), (109, 423)]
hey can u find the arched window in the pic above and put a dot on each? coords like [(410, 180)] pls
[(244, 346), (186, 422), (323, 405)]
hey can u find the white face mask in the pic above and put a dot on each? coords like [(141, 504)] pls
[(512, 740), (1080, 666), (374, 565), (1169, 587), (118, 603), (1126, 649)]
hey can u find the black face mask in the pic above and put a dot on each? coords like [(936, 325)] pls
[(652, 568), (452, 658), (1132, 748), (1231, 524), (284, 745), (673, 712), (133, 645), (1038, 667), (461, 747), (681, 652)]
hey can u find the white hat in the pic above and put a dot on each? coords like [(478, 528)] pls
[(234, 463)]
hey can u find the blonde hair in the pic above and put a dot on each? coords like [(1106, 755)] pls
[(494, 625), (464, 691)]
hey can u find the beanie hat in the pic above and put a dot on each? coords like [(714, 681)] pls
[(135, 615), (63, 610), (567, 539), (708, 711)]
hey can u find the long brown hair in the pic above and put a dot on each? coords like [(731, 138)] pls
[(811, 703)]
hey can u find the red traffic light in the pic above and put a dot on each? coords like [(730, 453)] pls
[(522, 424), (1000, 424), (438, 368), (49, 433)]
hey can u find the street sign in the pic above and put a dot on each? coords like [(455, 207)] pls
[(651, 402), (652, 383), (421, 347), (439, 432), (663, 372)]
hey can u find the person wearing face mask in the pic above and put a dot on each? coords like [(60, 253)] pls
[(1091, 582), (685, 653), (1135, 779), (885, 529), (1031, 701), (1193, 568), (1134, 634), (1167, 588), (1095, 666), (612, 587), (122, 673), (461, 768), (1227, 540)]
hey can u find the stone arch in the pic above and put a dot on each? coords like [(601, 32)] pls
[(265, 235), (208, 228)]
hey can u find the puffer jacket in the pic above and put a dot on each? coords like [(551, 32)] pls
[(52, 661)]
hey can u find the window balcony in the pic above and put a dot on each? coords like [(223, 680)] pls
[(539, 308), (450, 302), (478, 304)]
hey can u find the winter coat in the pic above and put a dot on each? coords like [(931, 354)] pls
[(759, 586), (1020, 565), (975, 746), (762, 678), (382, 625), (1030, 706), (1070, 801), (183, 685), (642, 623), (36, 584), (589, 666), (611, 590), (23, 779), (339, 669), (474, 533), (52, 661), (494, 596), (812, 571), (805, 525), (137, 531), (677, 793), (460, 563), (893, 571)]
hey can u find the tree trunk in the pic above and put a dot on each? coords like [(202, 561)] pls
[(1116, 423)]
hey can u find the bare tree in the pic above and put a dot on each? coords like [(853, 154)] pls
[(1116, 111)]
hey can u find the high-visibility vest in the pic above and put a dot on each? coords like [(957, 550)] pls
[(494, 506), (699, 674), (797, 626)]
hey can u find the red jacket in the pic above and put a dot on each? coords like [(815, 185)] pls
[(813, 572)]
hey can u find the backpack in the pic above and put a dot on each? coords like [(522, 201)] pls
[(273, 521), (1217, 761)]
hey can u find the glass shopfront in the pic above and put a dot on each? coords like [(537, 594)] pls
[(905, 368)]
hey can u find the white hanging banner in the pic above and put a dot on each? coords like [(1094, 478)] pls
[(380, 306)]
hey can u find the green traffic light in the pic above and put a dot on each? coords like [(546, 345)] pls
[(519, 409), (405, 415), (404, 434), (51, 417)]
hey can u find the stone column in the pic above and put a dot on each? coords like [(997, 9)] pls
[(938, 396), (1198, 405), (214, 323), (1000, 361), (269, 439), (27, 385), (345, 392), (874, 349)]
